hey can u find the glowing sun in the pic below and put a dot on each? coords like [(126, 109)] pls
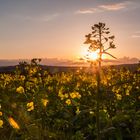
[(93, 55), (90, 55)]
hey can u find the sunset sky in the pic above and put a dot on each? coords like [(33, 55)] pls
[(57, 28)]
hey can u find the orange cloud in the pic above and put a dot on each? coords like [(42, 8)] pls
[(107, 7), (88, 11), (113, 7), (136, 34)]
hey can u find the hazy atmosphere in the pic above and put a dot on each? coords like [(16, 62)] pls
[(56, 29)]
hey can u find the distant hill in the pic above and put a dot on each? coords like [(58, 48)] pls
[(131, 67), (69, 62), (55, 69), (51, 69)]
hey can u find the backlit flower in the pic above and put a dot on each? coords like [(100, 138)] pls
[(1, 123), (119, 97), (68, 102), (30, 106), (0, 113), (13, 123), (44, 102), (20, 89)]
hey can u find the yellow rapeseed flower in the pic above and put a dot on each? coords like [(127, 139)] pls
[(73, 95), (78, 95), (68, 102), (119, 97), (127, 93), (78, 110), (66, 95), (30, 106), (13, 123), (22, 77), (129, 88), (61, 95), (1, 123), (20, 89), (0, 113), (44, 102)]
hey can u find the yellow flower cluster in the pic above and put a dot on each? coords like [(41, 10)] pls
[(30, 106), (20, 90), (0, 113), (68, 102), (44, 102), (32, 71), (75, 95), (1, 123), (22, 77), (119, 97), (66, 95), (61, 95), (13, 123)]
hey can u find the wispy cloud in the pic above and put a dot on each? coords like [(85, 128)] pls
[(44, 18), (136, 34), (88, 11), (113, 7), (49, 17), (105, 7)]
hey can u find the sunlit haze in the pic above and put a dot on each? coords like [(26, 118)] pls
[(57, 28)]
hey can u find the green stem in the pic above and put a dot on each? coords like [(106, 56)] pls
[(98, 89)]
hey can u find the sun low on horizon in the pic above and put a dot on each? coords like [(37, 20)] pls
[(56, 29), (85, 54)]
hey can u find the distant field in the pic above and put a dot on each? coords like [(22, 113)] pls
[(38, 105)]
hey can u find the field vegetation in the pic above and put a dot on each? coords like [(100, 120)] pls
[(36, 105)]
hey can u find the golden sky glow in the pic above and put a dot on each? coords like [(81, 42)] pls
[(57, 29)]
